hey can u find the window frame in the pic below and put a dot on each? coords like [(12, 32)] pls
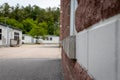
[(16, 35), (50, 38), (0, 34)]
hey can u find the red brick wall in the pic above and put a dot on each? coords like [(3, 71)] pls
[(61, 18), (90, 12), (65, 18), (72, 70)]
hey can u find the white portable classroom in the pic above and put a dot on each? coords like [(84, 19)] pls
[(27, 39), (50, 39), (9, 36)]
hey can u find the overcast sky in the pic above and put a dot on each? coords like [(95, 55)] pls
[(41, 3)]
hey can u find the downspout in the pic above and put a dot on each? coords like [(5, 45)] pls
[(73, 7)]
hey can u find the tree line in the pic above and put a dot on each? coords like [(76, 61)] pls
[(32, 20)]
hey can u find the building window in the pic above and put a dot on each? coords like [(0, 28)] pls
[(0, 34), (50, 38), (16, 36), (0, 30)]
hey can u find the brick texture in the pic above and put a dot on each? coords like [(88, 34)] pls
[(65, 18), (90, 12), (87, 13), (72, 70)]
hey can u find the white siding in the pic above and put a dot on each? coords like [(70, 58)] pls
[(3, 42), (118, 53), (98, 49), (34, 40), (81, 49), (55, 40), (27, 39), (102, 51), (8, 34)]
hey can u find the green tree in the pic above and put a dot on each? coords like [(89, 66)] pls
[(37, 31), (28, 24), (31, 18), (6, 9)]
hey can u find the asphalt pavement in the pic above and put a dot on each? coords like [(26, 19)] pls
[(30, 69)]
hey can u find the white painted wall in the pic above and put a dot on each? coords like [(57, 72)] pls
[(55, 40), (7, 34), (81, 48), (3, 42), (34, 40), (98, 49), (27, 39), (102, 51), (11, 35), (118, 51)]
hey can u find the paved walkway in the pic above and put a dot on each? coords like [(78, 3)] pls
[(31, 62), (30, 69)]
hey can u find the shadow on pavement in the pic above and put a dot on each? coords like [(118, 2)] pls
[(30, 69)]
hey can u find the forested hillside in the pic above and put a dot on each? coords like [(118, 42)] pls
[(32, 20)]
